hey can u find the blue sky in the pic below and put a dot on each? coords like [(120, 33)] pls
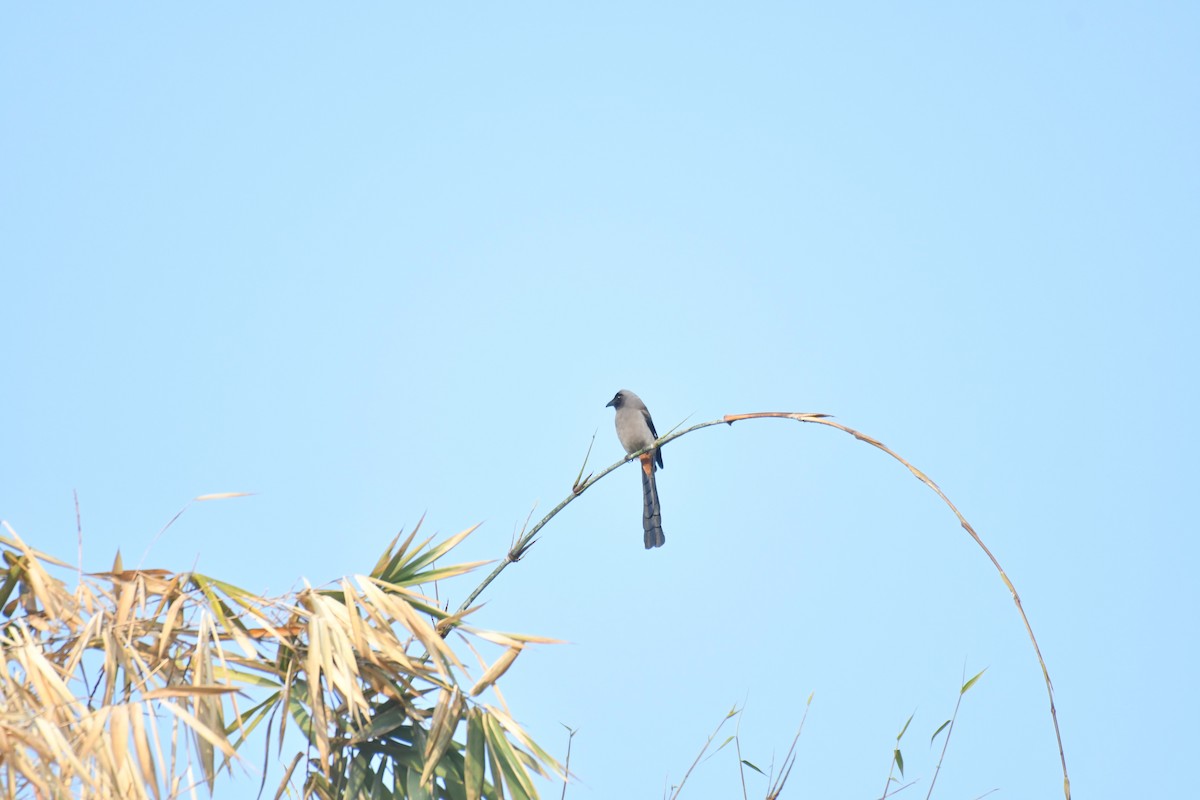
[(378, 262)]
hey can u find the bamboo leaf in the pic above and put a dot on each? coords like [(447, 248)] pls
[(19, 543), (191, 690), (383, 571), (941, 728), (971, 682), (445, 720), (440, 549), (474, 768), (360, 776), (250, 719), (382, 724), (444, 573), (141, 744), (387, 556), (498, 668), (201, 730), (287, 776), (118, 723), (416, 790), (508, 639), (168, 640), (249, 678), (298, 710), (168, 627), (519, 784), (11, 578), (517, 732), (52, 743)]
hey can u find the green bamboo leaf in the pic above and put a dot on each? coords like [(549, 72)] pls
[(252, 603), (250, 719), (474, 756), (245, 715), (520, 786), (391, 554), (722, 746), (402, 742), (241, 676), (444, 573), (440, 549), (494, 764), (405, 754), (971, 682), (411, 598), (902, 730), (360, 777), (899, 761), (299, 711), (539, 757), (225, 614), (215, 603), (941, 728), (382, 724), (399, 563), (11, 579), (751, 766), (453, 789), (228, 588), (416, 790), (402, 562)]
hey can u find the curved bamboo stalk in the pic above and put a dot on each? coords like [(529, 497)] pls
[(527, 538)]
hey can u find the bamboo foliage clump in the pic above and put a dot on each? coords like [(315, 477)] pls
[(148, 684)]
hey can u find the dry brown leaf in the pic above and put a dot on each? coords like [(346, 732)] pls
[(190, 690), (141, 745), (215, 739), (441, 730), (498, 668), (119, 739)]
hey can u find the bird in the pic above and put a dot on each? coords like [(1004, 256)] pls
[(636, 431)]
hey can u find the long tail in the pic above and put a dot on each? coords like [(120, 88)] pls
[(651, 514)]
